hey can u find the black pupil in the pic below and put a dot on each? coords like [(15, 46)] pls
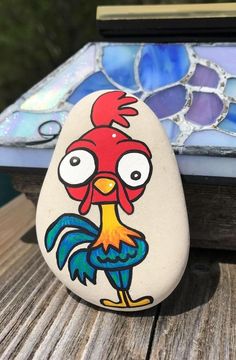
[(135, 175), (74, 161)]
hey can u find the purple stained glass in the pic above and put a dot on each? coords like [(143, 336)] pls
[(167, 102), (204, 76), (205, 108), (222, 55)]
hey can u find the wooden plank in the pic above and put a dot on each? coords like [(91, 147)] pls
[(67, 337), (211, 211), (40, 319), (120, 336), (17, 217), (198, 321)]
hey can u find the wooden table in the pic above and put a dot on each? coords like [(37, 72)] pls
[(41, 319)]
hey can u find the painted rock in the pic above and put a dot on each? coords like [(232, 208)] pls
[(111, 217)]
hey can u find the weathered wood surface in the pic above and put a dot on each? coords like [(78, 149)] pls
[(211, 210), (40, 319), (212, 215), (199, 320)]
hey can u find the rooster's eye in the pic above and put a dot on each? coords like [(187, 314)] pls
[(134, 169), (77, 167)]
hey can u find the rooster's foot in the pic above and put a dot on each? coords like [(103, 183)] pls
[(125, 301), (120, 304), (143, 301)]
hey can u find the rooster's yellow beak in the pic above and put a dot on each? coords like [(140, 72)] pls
[(105, 185)]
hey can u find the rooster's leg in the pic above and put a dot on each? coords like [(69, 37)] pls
[(120, 280)]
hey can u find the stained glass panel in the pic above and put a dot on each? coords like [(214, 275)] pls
[(190, 87), (26, 125), (204, 76), (162, 65), (230, 88), (167, 102), (118, 60), (94, 82)]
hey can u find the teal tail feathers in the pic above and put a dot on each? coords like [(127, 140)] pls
[(68, 221), (84, 232), (80, 268)]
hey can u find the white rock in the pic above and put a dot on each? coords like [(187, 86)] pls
[(113, 170)]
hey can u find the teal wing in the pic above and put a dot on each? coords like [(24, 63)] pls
[(118, 259)]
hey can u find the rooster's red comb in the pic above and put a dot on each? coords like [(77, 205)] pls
[(112, 107)]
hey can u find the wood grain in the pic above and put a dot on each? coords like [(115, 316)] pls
[(40, 319), (120, 336), (212, 215), (198, 321)]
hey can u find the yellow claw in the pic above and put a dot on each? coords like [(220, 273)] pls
[(125, 301), (143, 301), (121, 303)]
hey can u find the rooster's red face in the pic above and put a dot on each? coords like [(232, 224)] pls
[(106, 166)]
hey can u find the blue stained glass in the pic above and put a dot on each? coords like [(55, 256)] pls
[(153, 72), (162, 64), (118, 62), (211, 137), (171, 128), (229, 123), (139, 94), (230, 89), (96, 81)]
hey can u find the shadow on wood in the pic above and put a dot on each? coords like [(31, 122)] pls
[(196, 288), (149, 312), (30, 237), (199, 282)]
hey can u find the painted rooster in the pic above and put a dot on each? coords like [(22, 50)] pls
[(106, 168)]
